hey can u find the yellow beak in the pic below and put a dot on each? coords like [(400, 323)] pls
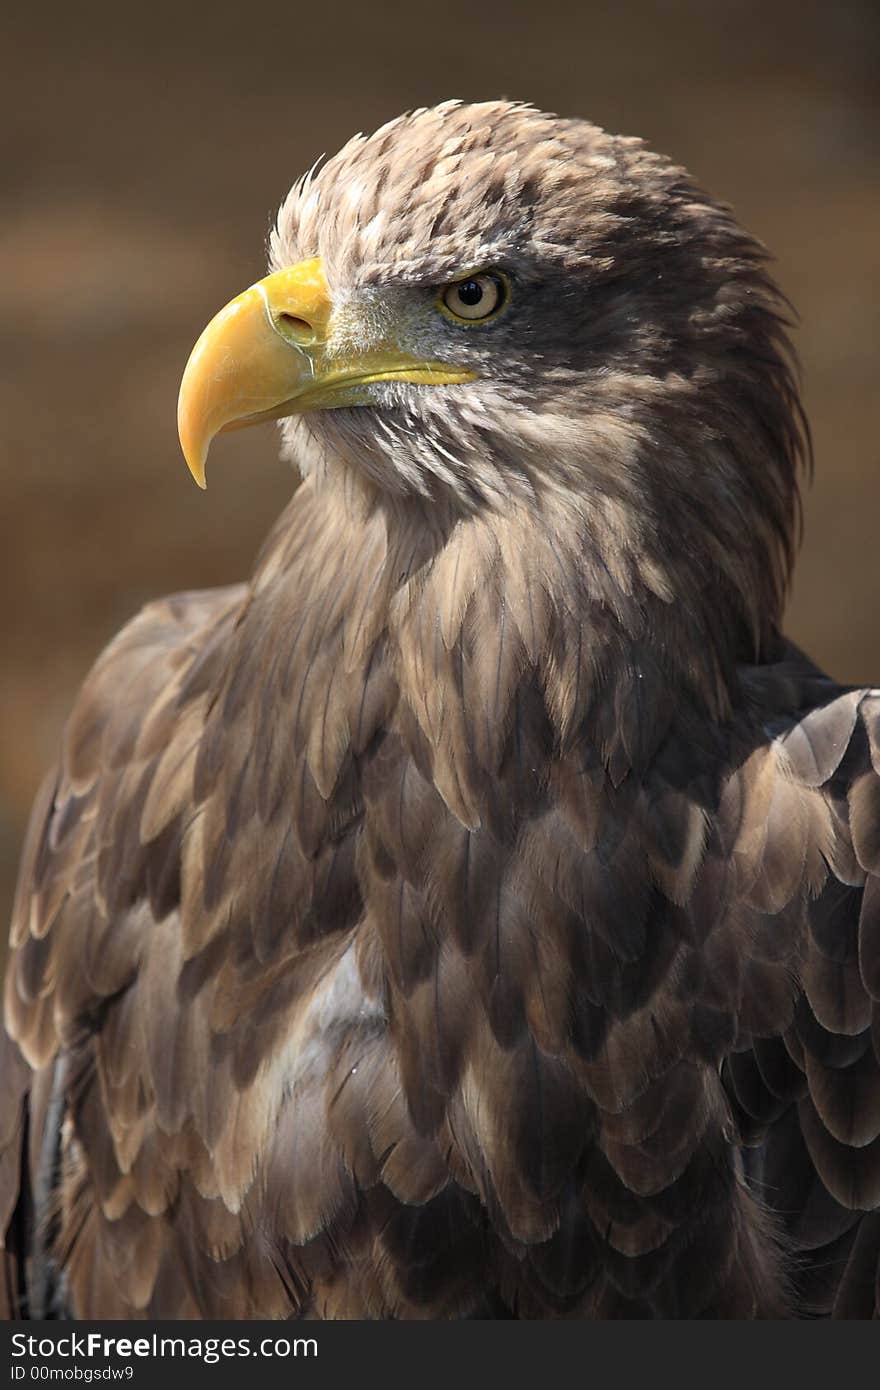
[(264, 356)]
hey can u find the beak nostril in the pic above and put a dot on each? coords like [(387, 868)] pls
[(297, 328)]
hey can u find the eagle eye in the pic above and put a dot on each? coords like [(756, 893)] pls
[(476, 298)]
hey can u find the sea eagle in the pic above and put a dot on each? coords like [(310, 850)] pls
[(476, 914)]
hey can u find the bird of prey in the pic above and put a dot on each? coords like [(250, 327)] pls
[(477, 913)]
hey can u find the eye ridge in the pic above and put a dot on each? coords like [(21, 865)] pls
[(475, 298)]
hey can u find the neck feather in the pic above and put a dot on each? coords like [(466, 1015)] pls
[(445, 624)]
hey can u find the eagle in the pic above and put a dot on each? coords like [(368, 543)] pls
[(477, 913)]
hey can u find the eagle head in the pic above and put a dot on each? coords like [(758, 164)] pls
[(488, 309)]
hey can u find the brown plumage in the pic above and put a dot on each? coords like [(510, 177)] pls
[(476, 914)]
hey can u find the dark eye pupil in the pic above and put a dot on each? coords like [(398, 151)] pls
[(470, 292)]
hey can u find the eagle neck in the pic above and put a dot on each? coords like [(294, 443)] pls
[(447, 626)]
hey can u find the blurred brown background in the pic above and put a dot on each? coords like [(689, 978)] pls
[(142, 158)]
